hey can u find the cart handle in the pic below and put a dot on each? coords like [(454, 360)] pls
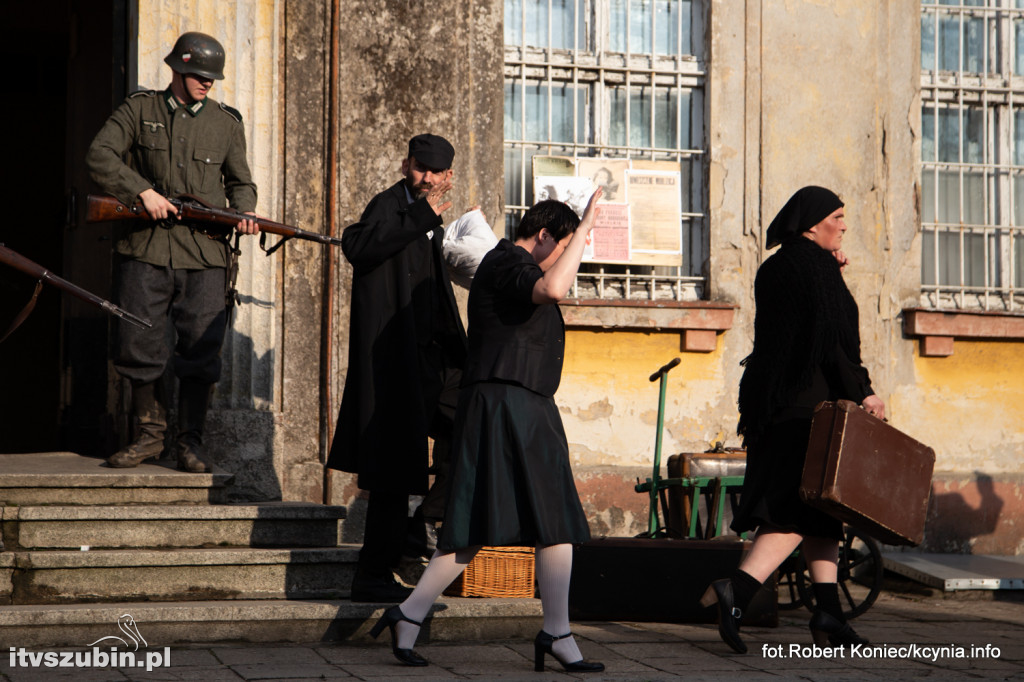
[(665, 368)]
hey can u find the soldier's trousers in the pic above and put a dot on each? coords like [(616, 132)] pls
[(191, 300)]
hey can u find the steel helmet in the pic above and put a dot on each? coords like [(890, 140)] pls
[(197, 53)]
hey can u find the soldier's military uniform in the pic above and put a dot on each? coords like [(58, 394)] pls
[(154, 141), (167, 270)]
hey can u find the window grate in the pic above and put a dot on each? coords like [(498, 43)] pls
[(972, 154), (618, 79)]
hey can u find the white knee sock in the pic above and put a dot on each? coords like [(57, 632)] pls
[(554, 569), (439, 574)]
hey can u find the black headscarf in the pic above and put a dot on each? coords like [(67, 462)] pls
[(805, 209)]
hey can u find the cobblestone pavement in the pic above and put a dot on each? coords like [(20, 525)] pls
[(913, 637)]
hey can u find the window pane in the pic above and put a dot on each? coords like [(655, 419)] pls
[(927, 41), (541, 15), (949, 43), (1018, 260), (538, 126), (974, 45), (513, 22), (632, 19), (513, 105), (928, 134)]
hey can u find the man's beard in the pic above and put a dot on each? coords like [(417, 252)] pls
[(415, 191)]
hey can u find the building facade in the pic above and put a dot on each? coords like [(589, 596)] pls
[(907, 109)]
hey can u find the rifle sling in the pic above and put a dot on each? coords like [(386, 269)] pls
[(275, 247), (25, 312)]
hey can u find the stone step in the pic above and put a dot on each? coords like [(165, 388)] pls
[(270, 524), (62, 577), (67, 478), (197, 622)]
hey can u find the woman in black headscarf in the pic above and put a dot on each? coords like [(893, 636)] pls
[(806, 349)]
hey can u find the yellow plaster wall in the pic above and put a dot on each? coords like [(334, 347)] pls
[(610, 407), (968, 406)]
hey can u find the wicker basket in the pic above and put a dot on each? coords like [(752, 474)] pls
[(496, 572)]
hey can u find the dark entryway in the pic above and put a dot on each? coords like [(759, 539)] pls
[(66, 62)]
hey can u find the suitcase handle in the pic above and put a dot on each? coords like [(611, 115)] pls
[(665, 368)]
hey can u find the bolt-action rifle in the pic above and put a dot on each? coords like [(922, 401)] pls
[(216, 223), (33, 269)]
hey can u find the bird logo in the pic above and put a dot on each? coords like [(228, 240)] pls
[(127, 625)]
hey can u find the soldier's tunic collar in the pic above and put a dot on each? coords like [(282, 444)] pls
[(173, 104)]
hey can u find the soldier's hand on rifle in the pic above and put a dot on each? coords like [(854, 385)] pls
[(156, 204), (247, 226)]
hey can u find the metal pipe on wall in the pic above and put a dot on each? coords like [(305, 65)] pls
[(327, 312)]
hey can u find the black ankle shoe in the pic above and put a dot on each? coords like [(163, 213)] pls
[(729, 616), (827, 630), (542, 645), (389, 620)]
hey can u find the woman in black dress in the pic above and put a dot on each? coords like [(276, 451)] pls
[(806, 349), (511, 481)]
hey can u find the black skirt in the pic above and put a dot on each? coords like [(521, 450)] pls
[(771, 486), (511, 483)]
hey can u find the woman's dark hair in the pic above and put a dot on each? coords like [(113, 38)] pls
[(554, 216)]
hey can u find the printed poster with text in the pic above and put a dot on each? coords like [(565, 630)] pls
[(638, 221), (654, 207)]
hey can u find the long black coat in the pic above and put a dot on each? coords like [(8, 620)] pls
[(383, 420)]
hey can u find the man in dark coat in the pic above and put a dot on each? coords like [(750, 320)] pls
[(407, 346)]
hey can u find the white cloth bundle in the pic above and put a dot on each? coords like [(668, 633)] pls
[(466, 241)]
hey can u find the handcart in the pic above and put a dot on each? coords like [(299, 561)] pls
[(860, 559)]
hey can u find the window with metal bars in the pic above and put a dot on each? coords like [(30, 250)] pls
[(616, 79), (972, 154)]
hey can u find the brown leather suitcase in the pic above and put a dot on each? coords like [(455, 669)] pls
[(726, 462), (867, 473)]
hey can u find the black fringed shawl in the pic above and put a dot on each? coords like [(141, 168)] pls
[(803, 313)]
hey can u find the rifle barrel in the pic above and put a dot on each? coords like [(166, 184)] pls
[(19, 262)]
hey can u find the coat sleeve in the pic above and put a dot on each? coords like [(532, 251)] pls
[(238, 184), (105, 158), (853, 378), (385, 229)]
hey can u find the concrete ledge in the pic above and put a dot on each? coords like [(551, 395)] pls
[(452, 619), (110, 576), (699, 321), (938, 329), (253, 525), (72, 479)]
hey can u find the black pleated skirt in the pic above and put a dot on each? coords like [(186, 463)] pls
[(511, 483), (771, 486)]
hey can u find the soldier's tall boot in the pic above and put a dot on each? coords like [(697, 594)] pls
[(148, 408), (193, 401)]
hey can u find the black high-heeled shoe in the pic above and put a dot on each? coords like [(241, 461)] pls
[(729, 616), (825, 630), (389, 620), (542, 645)]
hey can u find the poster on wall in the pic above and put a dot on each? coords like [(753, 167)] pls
[(639, 220), (655, 207)]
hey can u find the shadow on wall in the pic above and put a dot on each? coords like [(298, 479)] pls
[(958, 518), (241, 427)]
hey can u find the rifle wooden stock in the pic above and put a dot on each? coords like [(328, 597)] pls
[(215, 222), (33, 269)]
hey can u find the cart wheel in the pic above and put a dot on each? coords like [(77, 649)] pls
[(790, 576), (860, 574)]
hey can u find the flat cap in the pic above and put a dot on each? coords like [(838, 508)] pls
[(433, 151)]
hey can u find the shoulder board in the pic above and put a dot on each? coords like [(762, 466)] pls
[(231, 111), (142, 93)]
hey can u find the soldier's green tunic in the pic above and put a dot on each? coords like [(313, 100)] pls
[(154, 141)]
